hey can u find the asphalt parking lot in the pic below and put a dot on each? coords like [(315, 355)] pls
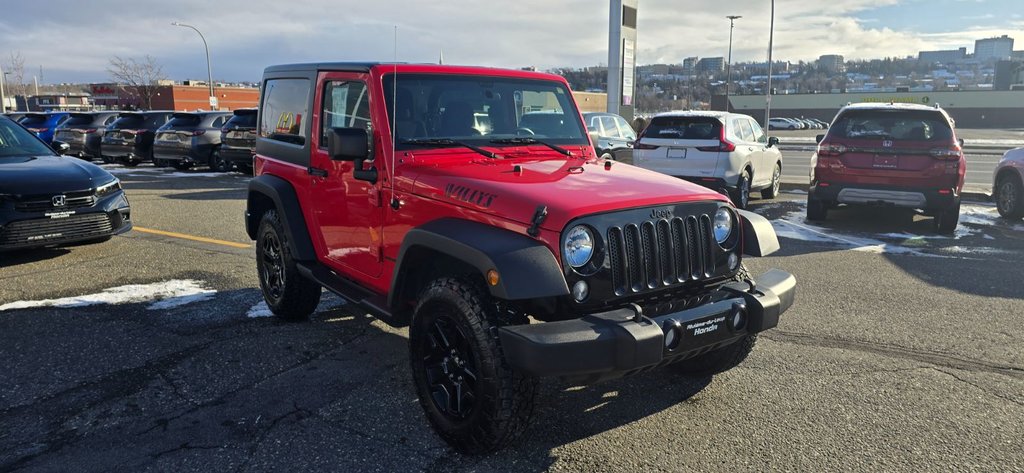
[(152, 352)]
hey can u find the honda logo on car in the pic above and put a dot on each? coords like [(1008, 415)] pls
[(60, 200), (700, 328)]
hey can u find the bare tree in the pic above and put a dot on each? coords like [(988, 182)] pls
[(137, 77), (15, 70)]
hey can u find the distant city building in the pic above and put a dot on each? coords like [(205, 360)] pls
[(833, 63), (690, 65), (762, 67), (1017, 56), (711, 65), (993, 48), (947, 56), (1008, 74), (72, 102)]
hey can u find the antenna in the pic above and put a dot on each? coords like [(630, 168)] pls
[(394, 122)]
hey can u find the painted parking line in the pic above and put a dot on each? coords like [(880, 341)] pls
[(184, 236)]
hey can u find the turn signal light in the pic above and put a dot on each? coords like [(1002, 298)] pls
[(946, 153)]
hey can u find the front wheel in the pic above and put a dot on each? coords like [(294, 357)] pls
[(773, 190), (472, 398), (817, 210), (1010, 198), (288, 294)]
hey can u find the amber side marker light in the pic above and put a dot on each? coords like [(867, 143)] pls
[(492, 277)]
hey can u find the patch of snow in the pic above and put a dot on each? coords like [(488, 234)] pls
[(978, 215), (329, 301), (168, 294), (794, 227)]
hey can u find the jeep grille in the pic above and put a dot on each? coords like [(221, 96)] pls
[(660, 253)]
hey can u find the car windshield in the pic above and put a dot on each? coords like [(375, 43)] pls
[(34, 120), (184, 120), (688, 128), (898, 125), (15, 141), (78, 119), (127, 121), (479, 110), (242, 120)]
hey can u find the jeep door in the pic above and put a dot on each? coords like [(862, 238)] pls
[(347, 210)]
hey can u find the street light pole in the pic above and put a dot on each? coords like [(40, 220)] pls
[(728, 65), (768, 90), (209, 70), (3, 96)]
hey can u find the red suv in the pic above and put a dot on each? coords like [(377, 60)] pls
[(902, 155), (511, 251)]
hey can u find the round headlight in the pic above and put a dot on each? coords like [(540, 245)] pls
[(578, 246), (723, 225)]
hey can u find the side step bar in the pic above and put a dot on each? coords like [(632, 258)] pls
[(367, 300)]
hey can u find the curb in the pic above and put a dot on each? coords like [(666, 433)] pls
[(972, 195)]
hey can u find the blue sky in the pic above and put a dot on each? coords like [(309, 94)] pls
[(73, 40)]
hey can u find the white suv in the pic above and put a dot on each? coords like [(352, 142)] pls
[(728, 152)]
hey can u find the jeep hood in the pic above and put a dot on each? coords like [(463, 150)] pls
[(570, 188)]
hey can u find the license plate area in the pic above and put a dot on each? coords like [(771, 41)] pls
[(885, 162), (677, 153)]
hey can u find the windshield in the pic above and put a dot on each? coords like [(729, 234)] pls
[(242, 120), (899, 125), (183, 120), (15, 141), (477, 110), (78, 119), (688, 128)]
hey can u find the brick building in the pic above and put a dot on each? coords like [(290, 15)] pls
[(174, 97)]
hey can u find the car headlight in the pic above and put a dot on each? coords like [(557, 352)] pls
[(723, 225), (578, 246), (112, 186)]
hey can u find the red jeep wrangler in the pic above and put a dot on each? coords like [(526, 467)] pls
[(419, 193), (902, 155)]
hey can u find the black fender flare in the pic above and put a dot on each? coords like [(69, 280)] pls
[(281, 193), (759, 238), (527, 269)]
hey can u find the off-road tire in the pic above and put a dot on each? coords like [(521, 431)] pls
[(1009, 197), (741, 196), (181, 165), (947, 219), (772, 191), (817, 210), (502, 399), (289, 294), (722, 359)]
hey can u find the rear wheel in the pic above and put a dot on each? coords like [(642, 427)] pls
[(472, 398), (741, 196), (131, 161), (288, 294), (817, 210), (181, 165), (1010, 197), (947, 219), (218, 163), (773, 190)]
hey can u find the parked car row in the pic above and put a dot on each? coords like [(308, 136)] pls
[(782, 123), (166, 138)]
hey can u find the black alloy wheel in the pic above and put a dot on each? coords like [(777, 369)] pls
[(773, 190), (741, 196), (272, 273), (450, 368)]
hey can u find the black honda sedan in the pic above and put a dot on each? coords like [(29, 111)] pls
[(48, 200)]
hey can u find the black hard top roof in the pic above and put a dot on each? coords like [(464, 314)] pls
[(318, 66)]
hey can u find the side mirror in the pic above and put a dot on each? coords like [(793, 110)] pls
[(819, 138), (352, 144), (773, 141), (348, 144), (961, 141), (61, 147)]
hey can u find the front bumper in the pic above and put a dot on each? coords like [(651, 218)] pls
[(19, 230), (621, 342), (913, 198), (240, 156)]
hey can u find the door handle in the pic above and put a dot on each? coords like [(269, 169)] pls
[(316, 172)]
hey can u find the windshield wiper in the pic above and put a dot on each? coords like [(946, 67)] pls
[(531, 141), (448, 142)]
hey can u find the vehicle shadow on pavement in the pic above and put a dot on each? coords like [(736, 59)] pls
[(222, 194), (11, 259)]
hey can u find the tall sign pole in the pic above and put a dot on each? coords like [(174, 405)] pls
[(768, 89), (622, 57)]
